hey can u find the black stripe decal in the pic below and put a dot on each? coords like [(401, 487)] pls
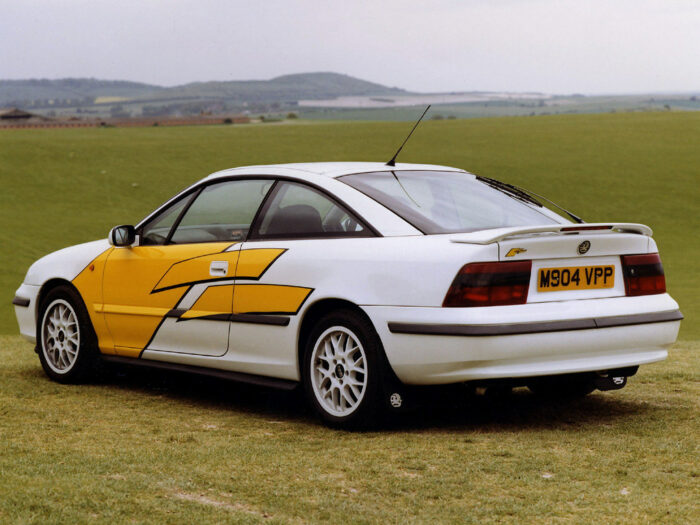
[(20, 301), (533, 328)]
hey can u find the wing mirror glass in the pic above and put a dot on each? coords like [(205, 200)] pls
[(123, 235)]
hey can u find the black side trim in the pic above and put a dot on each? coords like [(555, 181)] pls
[(20, 301), (260, 319), (242, 318), (272, 382), (532, 328)]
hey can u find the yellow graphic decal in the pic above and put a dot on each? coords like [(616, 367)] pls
[(216, 300), (197, 269), (129, 292), (89, 284), (130, 309), (253, 263), (268, 298)]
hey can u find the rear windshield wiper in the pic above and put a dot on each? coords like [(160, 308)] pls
[(524, 195)]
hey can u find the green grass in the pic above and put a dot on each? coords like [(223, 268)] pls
[(158, 448), (161, 448), (61, 187)]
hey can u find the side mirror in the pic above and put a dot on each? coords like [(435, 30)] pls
[(123, 235)]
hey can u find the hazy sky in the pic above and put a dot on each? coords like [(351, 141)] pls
[(554, 46)]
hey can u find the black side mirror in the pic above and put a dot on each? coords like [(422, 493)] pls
[(123, 235)]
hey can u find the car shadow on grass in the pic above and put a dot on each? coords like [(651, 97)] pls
[(448, 410)]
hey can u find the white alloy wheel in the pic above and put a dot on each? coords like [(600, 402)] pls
[(339, 371), (60, 336)]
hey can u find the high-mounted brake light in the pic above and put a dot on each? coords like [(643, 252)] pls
[(586, 228), (644, 274), (490, 284)]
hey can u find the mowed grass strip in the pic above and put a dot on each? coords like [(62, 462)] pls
[(164, 448), (62, 187)]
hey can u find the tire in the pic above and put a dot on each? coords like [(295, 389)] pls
[(563, 387), (343, 370), (66, 340)]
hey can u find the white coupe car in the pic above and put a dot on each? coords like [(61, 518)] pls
[(357, 280)]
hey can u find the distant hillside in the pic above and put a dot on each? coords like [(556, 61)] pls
[(19, 92), (288, 88), (76, 92)]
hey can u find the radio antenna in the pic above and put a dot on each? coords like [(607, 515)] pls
[(392, 162)]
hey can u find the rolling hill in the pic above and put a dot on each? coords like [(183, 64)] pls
[(85, 92)]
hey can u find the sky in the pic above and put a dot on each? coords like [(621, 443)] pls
[(550, 46)]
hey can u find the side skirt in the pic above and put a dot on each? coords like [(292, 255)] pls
[(240, 377)]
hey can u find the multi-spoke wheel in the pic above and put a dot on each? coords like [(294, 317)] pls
[(343, 371), (339, 371), (60, 336), (65, 336)]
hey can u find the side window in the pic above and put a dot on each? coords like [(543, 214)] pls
[(296, 210), (156, 231), (222, 212)]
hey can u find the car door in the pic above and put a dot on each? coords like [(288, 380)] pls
[(173, 290), (276, 274)]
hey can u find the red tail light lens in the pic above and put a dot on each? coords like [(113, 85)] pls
[(644, 274), (490, 284)]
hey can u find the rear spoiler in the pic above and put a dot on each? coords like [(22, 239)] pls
[(499, 234)]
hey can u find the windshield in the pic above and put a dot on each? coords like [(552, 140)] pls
[(448, 202)]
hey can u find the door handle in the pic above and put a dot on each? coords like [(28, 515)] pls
[(218, 268)]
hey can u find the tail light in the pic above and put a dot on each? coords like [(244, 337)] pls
[(490, 284), (644, 274)]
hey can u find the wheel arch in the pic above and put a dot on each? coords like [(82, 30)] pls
[(49, 285), (317, 310)]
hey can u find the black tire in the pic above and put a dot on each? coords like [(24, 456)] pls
[(84, 364), (367, 404), (563, 387)]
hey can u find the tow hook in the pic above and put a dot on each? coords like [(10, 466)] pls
[(606, 381)]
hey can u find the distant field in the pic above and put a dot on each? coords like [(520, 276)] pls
[(513, 107), (61, 187), (158, 448)]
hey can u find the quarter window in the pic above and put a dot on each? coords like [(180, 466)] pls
[(298, 211)]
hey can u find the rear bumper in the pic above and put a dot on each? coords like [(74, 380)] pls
[(449, 345)]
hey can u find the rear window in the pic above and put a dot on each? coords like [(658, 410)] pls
[(446, 202)]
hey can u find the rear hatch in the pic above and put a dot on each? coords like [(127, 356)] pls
[(569, 262)]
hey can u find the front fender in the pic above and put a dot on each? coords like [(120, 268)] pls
[(66, 263)]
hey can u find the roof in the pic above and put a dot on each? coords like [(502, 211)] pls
[(328, 169)]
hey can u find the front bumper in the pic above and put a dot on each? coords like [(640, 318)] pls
[(26, 309), (450, 345)]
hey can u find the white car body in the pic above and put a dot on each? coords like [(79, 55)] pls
[(399, 279)]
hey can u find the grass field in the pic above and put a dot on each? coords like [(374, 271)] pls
[(159, 448), (62, 187)]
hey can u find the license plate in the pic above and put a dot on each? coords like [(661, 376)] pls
[(575, 278)]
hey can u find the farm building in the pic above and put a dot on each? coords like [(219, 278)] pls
[(15, 114)]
